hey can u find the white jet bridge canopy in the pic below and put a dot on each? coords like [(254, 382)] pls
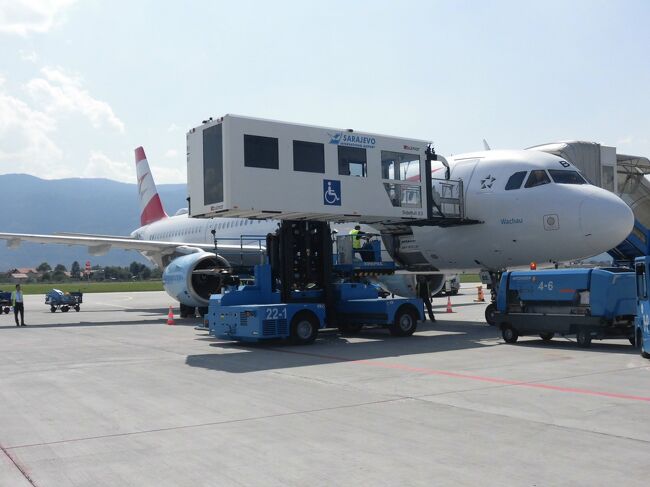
[(253, 168)]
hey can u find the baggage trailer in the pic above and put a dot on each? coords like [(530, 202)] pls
[(64, 301), (5, 301), (588, 303), (305, 288)]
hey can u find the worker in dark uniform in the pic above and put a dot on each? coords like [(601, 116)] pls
[(17, 303), (425, 295)]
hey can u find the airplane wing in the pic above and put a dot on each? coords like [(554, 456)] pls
[(99, 245)]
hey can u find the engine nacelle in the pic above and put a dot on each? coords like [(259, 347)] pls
[(188, 287), (404, 285)]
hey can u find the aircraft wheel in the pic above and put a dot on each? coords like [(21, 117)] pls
[(53, 309), (405, 323), (350, 328), (547, 336), (583, 337), (203, 310), (304, 328), (491, 314), (509, 334), (187, 311)]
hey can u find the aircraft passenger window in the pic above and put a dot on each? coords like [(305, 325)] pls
[(537, 178), (352, 161), (308, 156), (566, 177), (515, 180), (398, 165), (261, 152)]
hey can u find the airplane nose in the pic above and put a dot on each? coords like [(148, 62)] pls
[(606, 220)]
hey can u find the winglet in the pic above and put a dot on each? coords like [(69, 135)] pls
[(151, 208)]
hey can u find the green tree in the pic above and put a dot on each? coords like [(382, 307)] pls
[(44, 267), (75, 270)]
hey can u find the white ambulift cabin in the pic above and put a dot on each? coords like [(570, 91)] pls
[(253, 168)]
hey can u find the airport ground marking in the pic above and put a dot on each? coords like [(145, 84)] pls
[(473, 377), (20, 468)]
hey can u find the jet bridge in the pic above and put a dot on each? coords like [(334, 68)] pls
[(253, 168)]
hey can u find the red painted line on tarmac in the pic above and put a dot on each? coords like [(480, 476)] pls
[(20, 468), (480, 378)]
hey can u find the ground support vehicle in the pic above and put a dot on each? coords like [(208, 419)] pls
[(64, 301), (588, 303), (5, 301), (304, 289), (642, 323)]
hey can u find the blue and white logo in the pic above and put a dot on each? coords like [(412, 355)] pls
[(331, 192), (335, 138)]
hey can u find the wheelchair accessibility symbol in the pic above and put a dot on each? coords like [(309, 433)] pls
[(331, 192)]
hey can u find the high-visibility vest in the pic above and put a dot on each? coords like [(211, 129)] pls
[(356, 240)]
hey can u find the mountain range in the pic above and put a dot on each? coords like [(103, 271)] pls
[(102, 206)]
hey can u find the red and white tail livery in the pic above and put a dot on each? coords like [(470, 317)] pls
[(151, 208)]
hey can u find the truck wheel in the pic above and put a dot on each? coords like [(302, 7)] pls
[(52, 309), (509, 334), (304, 328), (350, 328), (642, 349), (491, 314), (583, 337), (6, 310), (77, 307), (65, 309), (547, 336), (405, 322)]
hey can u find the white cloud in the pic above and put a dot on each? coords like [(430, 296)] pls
[(24, 16), (101, 166), (173, 128), (169, 175), (29, 56), (59, 92), (25, 140), (171, 154)]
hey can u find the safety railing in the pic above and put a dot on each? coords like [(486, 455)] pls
[(448, 198)]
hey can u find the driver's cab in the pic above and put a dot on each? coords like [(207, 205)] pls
[(641, 266)]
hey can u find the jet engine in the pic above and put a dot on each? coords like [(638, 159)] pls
[(192, 278), (404, 284)]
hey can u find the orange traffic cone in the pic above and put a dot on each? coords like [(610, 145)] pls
[(170, 316), (449, 310), (481, 296)]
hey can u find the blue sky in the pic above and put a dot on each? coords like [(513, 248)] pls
[(82, 83)]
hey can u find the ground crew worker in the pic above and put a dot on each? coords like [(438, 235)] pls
[(356, 240), (17, 303), (425, 295)]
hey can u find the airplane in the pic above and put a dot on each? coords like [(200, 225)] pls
[(532, 207)]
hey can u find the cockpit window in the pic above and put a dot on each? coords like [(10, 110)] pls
[(515, 180), (537, 178), (566, 177)]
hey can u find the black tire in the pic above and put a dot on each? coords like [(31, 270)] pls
[(583, 338), (6, 310), (491, 314), (53, 309), (405, 322), (304, 328), (642, 350), (187, 311), (509, 334), (65, 309), (547, 336), (634, 342), (77, 308), (350, 328)]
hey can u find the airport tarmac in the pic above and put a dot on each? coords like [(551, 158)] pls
[(112, 396)]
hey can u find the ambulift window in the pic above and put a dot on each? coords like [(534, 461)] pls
[(566, 177), (212, 165), (308, 156), (515, 180), (537, 178), (641, 289), (352, 161), (400, 166), (261, 152)]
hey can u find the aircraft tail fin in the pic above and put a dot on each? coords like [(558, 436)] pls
[(151, 208)]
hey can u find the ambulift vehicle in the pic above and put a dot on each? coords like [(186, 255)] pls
[(304, 288), (588, 303), (58, 299)]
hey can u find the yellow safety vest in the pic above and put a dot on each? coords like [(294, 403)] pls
[(356, 240)]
